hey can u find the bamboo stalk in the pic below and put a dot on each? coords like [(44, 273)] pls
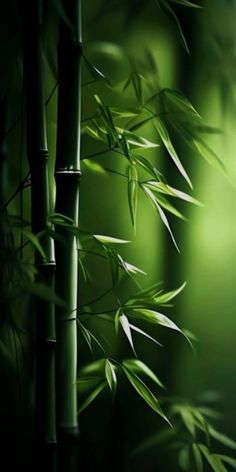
[(67, 175), (37, 153)]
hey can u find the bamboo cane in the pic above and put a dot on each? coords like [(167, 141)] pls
[(67, 175), (45, 311)]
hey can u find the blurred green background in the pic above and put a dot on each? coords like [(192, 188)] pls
[(114, 33)]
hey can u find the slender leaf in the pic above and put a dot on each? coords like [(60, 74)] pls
[(165, 137), (110, 375), (143, 333), (161, 213), (126, 328), (133, 192), (137, 366), (198, 458), (144, 392), (92, 396)]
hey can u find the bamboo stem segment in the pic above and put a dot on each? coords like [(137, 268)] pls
[(67, 173), (37, 153)]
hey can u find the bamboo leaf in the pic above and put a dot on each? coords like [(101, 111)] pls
[(109, 239), (172, 14), (145, 164), (117, 319), (176, 98), (96, 367), (111, 375), (32, 238), (212, 459), (164, 298), (124, 322), (59, 7), (169, 207), (210, 156), (44, 292), (142, 389), (161, 187), (198, 458), (143, 333), (161, 213), (89, 337), (228, 460), (222, 438), (187, 417), (133, 192), (149, 292), (184, 458), (130, 268), (94, 71), (125, 112), (137, 142), (92, 396), (165, 137), (136, 80), (137, 366), (155, 317), (186, 3), (85, 384)]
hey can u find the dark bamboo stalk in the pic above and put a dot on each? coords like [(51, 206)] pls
[(67, 175), (37, 153)]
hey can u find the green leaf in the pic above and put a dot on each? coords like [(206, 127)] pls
[(187, 417), (136, 142), (184, 458), (133, 192), (85, 384), (130, 268), (107, 120), (161, 187), (198, 458), (44, 292), (161, 213), (117, 319), (136, 80), (144, 392), (186, 3), (212, 459), (176, 98), (165, 137), (143, 333), (172, 14), (222, 438), (92, 396), (169, 207), (145, 164), (164, 298), (137, 366), (94, 71), (89, 337), (210, 156), (60, 9), (94, 167), (228, 460), (109, 239), (96, 367), (111, 375), (124, 322), (155, 317), (33, 239), (59, 218), (125, 112)]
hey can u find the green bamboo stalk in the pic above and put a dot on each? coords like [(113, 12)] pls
[(67, 173), (37, 153)]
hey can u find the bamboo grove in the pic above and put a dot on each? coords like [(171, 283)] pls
[(48, 256)]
